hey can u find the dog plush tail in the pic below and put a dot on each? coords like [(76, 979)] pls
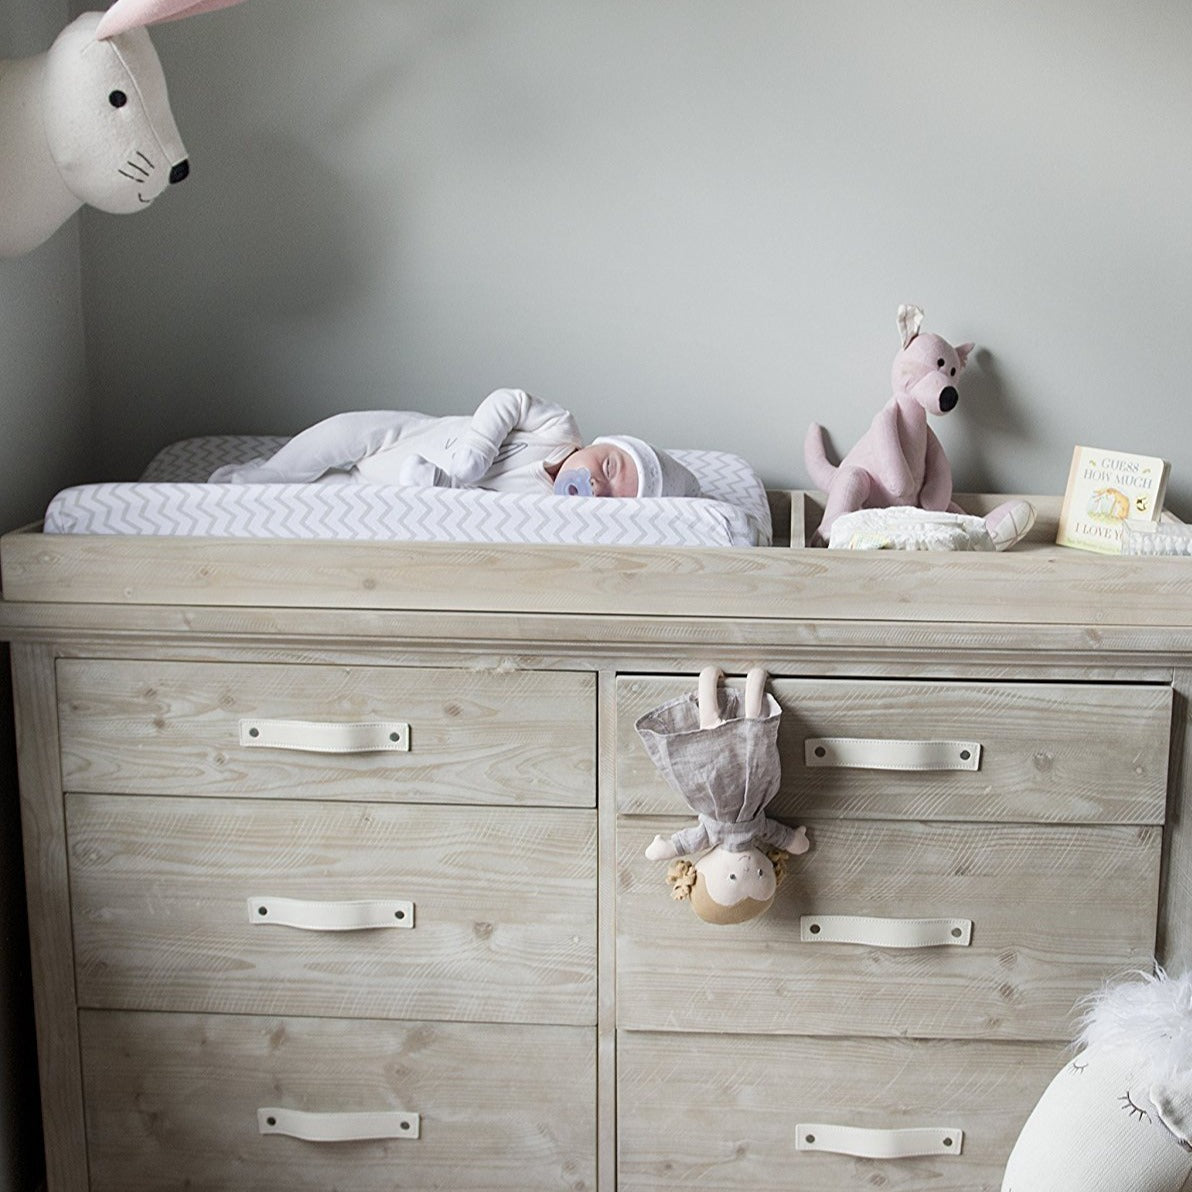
[(815, 458)]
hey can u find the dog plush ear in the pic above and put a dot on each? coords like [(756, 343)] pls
[(910, 319), (133, 14), (963, 351)]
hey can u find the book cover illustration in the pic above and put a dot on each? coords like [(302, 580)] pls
[(1105, 490)]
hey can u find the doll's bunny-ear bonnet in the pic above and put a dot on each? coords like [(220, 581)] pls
[(134, 14)]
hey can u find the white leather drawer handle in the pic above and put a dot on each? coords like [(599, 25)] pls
[(316, 736), (879, 1144), (330, 916), (337, 1127), (886, 933), (863, 753)]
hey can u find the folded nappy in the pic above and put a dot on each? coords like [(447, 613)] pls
[(1165, 538), (905, 527)]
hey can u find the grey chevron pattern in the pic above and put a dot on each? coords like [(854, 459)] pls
[(171, 499), (191, 461)]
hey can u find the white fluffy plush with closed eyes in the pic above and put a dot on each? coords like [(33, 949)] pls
[(1149, 1015), (1118, 1117)]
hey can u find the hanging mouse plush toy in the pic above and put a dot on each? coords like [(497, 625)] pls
[(719, 750), (88, 121)]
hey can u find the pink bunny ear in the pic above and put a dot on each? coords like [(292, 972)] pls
[(132, 14)]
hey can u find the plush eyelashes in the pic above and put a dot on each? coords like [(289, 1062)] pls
[(1127, 1103)]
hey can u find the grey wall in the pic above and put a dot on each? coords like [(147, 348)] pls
[(692, 219), (44, 432), (45, 422)]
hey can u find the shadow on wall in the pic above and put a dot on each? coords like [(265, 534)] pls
[(987, 409), (21, 1162), (289, 244), (273, 247)]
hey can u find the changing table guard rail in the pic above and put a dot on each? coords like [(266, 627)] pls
[(1037, 582)]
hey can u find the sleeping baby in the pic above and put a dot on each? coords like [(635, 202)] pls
[(513, 443)]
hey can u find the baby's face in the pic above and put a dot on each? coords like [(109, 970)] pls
[(613, 473)]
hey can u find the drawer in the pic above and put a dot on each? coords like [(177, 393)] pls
[(501, 926), (722, 1112), (172, 1102), (1048, 752), (519, 737), (1054, 910)]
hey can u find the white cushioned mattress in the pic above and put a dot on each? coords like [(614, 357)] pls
[(172, 498)]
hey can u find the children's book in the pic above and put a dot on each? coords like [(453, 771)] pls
[(1105, 490)]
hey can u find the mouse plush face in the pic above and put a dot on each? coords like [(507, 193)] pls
[(107, 118)]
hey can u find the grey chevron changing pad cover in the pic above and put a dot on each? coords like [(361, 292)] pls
[(172, 498)]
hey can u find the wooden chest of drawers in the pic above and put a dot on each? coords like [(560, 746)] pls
[(185, 1101), (351, 892), (171, 728), (330, 922), (829, 1036)]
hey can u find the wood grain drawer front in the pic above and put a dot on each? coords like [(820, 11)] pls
[(503, 915), (172, 1101), (1048, 752), (1055, 910), (139, 727), (728, 1107)]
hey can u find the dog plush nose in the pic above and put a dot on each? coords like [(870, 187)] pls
[(948, 398), (180, 171)]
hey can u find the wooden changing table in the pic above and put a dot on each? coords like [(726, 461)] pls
[(335, 872)]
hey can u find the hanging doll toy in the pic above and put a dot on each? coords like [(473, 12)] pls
[(719, 750)]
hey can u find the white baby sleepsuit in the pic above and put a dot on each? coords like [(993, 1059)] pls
[(506, 446)]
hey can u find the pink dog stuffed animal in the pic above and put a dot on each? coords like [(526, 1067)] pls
[(899, 461)]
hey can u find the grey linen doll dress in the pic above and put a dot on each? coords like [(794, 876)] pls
[(719, 749)]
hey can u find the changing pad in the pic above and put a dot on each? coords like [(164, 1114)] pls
[(172, 498)]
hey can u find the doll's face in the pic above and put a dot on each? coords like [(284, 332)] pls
[(731, 877)]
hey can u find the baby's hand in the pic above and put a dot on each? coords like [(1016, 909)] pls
[(661, 849), (421, 473), (469, 462)]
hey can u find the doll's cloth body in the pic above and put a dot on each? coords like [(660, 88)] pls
[(506, 446), (727, 773), (736, 837)]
